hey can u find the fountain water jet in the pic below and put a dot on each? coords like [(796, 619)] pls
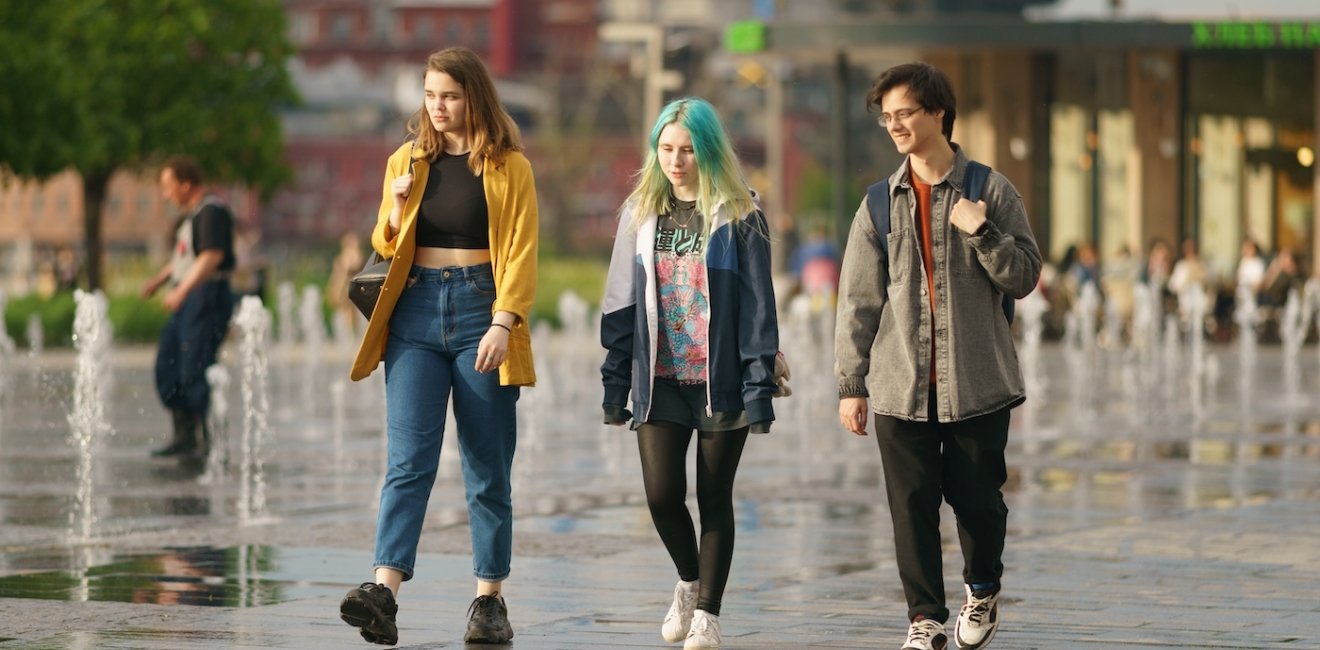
[(87, 421), (217, 424), (7, 349), (311, 324), (253, 323), (36, 336), (1293, 331)]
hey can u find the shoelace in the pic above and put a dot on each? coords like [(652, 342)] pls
[(979, 610), (484, 604), (701, 625), (686, 601), (922, 633), (689, 599)]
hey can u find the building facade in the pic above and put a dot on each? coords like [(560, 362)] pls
[(1116, 133)]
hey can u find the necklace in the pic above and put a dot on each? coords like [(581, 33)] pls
[(678, 209)]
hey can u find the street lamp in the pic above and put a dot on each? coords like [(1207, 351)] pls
[(657, 79)]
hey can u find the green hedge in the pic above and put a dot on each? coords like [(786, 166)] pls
[(137, 320), (134, 320), (583, 276)]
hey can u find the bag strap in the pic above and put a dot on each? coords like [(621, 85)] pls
[(877, 202), (974, 179)]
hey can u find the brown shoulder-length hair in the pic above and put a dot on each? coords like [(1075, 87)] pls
[(492, 133), (928, 85)]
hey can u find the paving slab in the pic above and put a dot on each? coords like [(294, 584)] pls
[(1154, 516)]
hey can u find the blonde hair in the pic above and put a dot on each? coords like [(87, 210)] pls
[(719, 175), (491, 132)]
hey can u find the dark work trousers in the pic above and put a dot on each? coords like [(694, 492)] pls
[(964, 463), (188, 346)]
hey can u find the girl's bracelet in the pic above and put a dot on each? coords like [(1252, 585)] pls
[(506, 327)]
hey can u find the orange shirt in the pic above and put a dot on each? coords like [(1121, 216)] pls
[(923, 190)]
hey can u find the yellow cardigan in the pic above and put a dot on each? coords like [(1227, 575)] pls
[(511, 205)]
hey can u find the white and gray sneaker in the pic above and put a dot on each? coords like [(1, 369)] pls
[(978, 620), (926, 634), (679, 619), (705, 632)]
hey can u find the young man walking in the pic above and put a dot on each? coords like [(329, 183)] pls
[(923, 341)]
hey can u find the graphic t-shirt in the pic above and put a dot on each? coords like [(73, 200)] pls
[(680, 271)]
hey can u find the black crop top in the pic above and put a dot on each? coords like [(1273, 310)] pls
[(453, 211)]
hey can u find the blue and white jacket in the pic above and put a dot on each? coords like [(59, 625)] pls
[(743, 326)]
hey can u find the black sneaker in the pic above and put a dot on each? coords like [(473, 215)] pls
[(488, 621), (371, 609)]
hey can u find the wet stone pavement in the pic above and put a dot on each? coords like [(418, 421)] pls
[(1147, 511)]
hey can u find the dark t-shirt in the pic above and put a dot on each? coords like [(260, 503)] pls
[(213, 229), (453, 212)]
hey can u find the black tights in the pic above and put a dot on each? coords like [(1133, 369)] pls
[(664, 448)]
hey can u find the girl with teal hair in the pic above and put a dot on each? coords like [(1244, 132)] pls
[(719, 174), (689, 327)]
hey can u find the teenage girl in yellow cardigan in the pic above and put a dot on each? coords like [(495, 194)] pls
[(458, 219)]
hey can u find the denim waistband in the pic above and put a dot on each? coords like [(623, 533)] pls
[(450, 273)]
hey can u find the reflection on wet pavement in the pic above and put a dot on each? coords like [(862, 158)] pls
[(810, 498), (181, 576)]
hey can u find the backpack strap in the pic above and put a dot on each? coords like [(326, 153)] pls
[(877, 201), (974, 179)]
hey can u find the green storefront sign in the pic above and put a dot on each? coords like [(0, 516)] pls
[(1255, 35), (745, 36)]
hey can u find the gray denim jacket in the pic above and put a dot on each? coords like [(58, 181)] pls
[(882, 345)]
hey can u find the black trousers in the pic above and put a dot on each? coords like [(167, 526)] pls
[(959, 462)]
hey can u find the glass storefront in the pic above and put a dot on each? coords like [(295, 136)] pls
[(1248, 138)]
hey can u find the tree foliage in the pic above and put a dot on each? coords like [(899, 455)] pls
[(103, 85)]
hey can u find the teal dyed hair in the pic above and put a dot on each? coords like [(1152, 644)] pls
[(719, 174)]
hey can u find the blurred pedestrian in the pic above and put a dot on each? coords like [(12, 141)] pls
[(459, 221), (922, 342), (1189, 271), (1281, 277), (689, 326), (1251, 267), (199, 302), (815, 266), (345, 265)]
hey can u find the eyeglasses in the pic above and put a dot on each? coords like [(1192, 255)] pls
[(900, 115)]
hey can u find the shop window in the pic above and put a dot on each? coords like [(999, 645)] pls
[(1072, 162), (302, 27), (341, 27), (423, 29), (481, 35)]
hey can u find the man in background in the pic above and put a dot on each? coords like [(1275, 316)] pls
[(199, 302)]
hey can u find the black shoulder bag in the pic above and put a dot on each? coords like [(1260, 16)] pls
[(364, 288)]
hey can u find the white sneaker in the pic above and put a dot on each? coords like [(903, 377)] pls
[(978, 620), (679, 619), (926, 634), (705, 632)]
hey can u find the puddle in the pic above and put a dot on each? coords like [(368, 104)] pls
[(207, 576)]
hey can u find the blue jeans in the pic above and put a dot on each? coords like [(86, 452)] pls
[(188, 346), (432, 351)]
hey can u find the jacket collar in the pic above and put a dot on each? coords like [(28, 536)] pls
[(954, 177)]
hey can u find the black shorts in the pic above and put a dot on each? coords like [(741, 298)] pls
[(685, 405)]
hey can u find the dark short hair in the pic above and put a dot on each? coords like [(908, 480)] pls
[(185, 169), (928, 85)]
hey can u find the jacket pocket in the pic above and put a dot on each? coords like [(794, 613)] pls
[(962, 257), (902, 256)]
